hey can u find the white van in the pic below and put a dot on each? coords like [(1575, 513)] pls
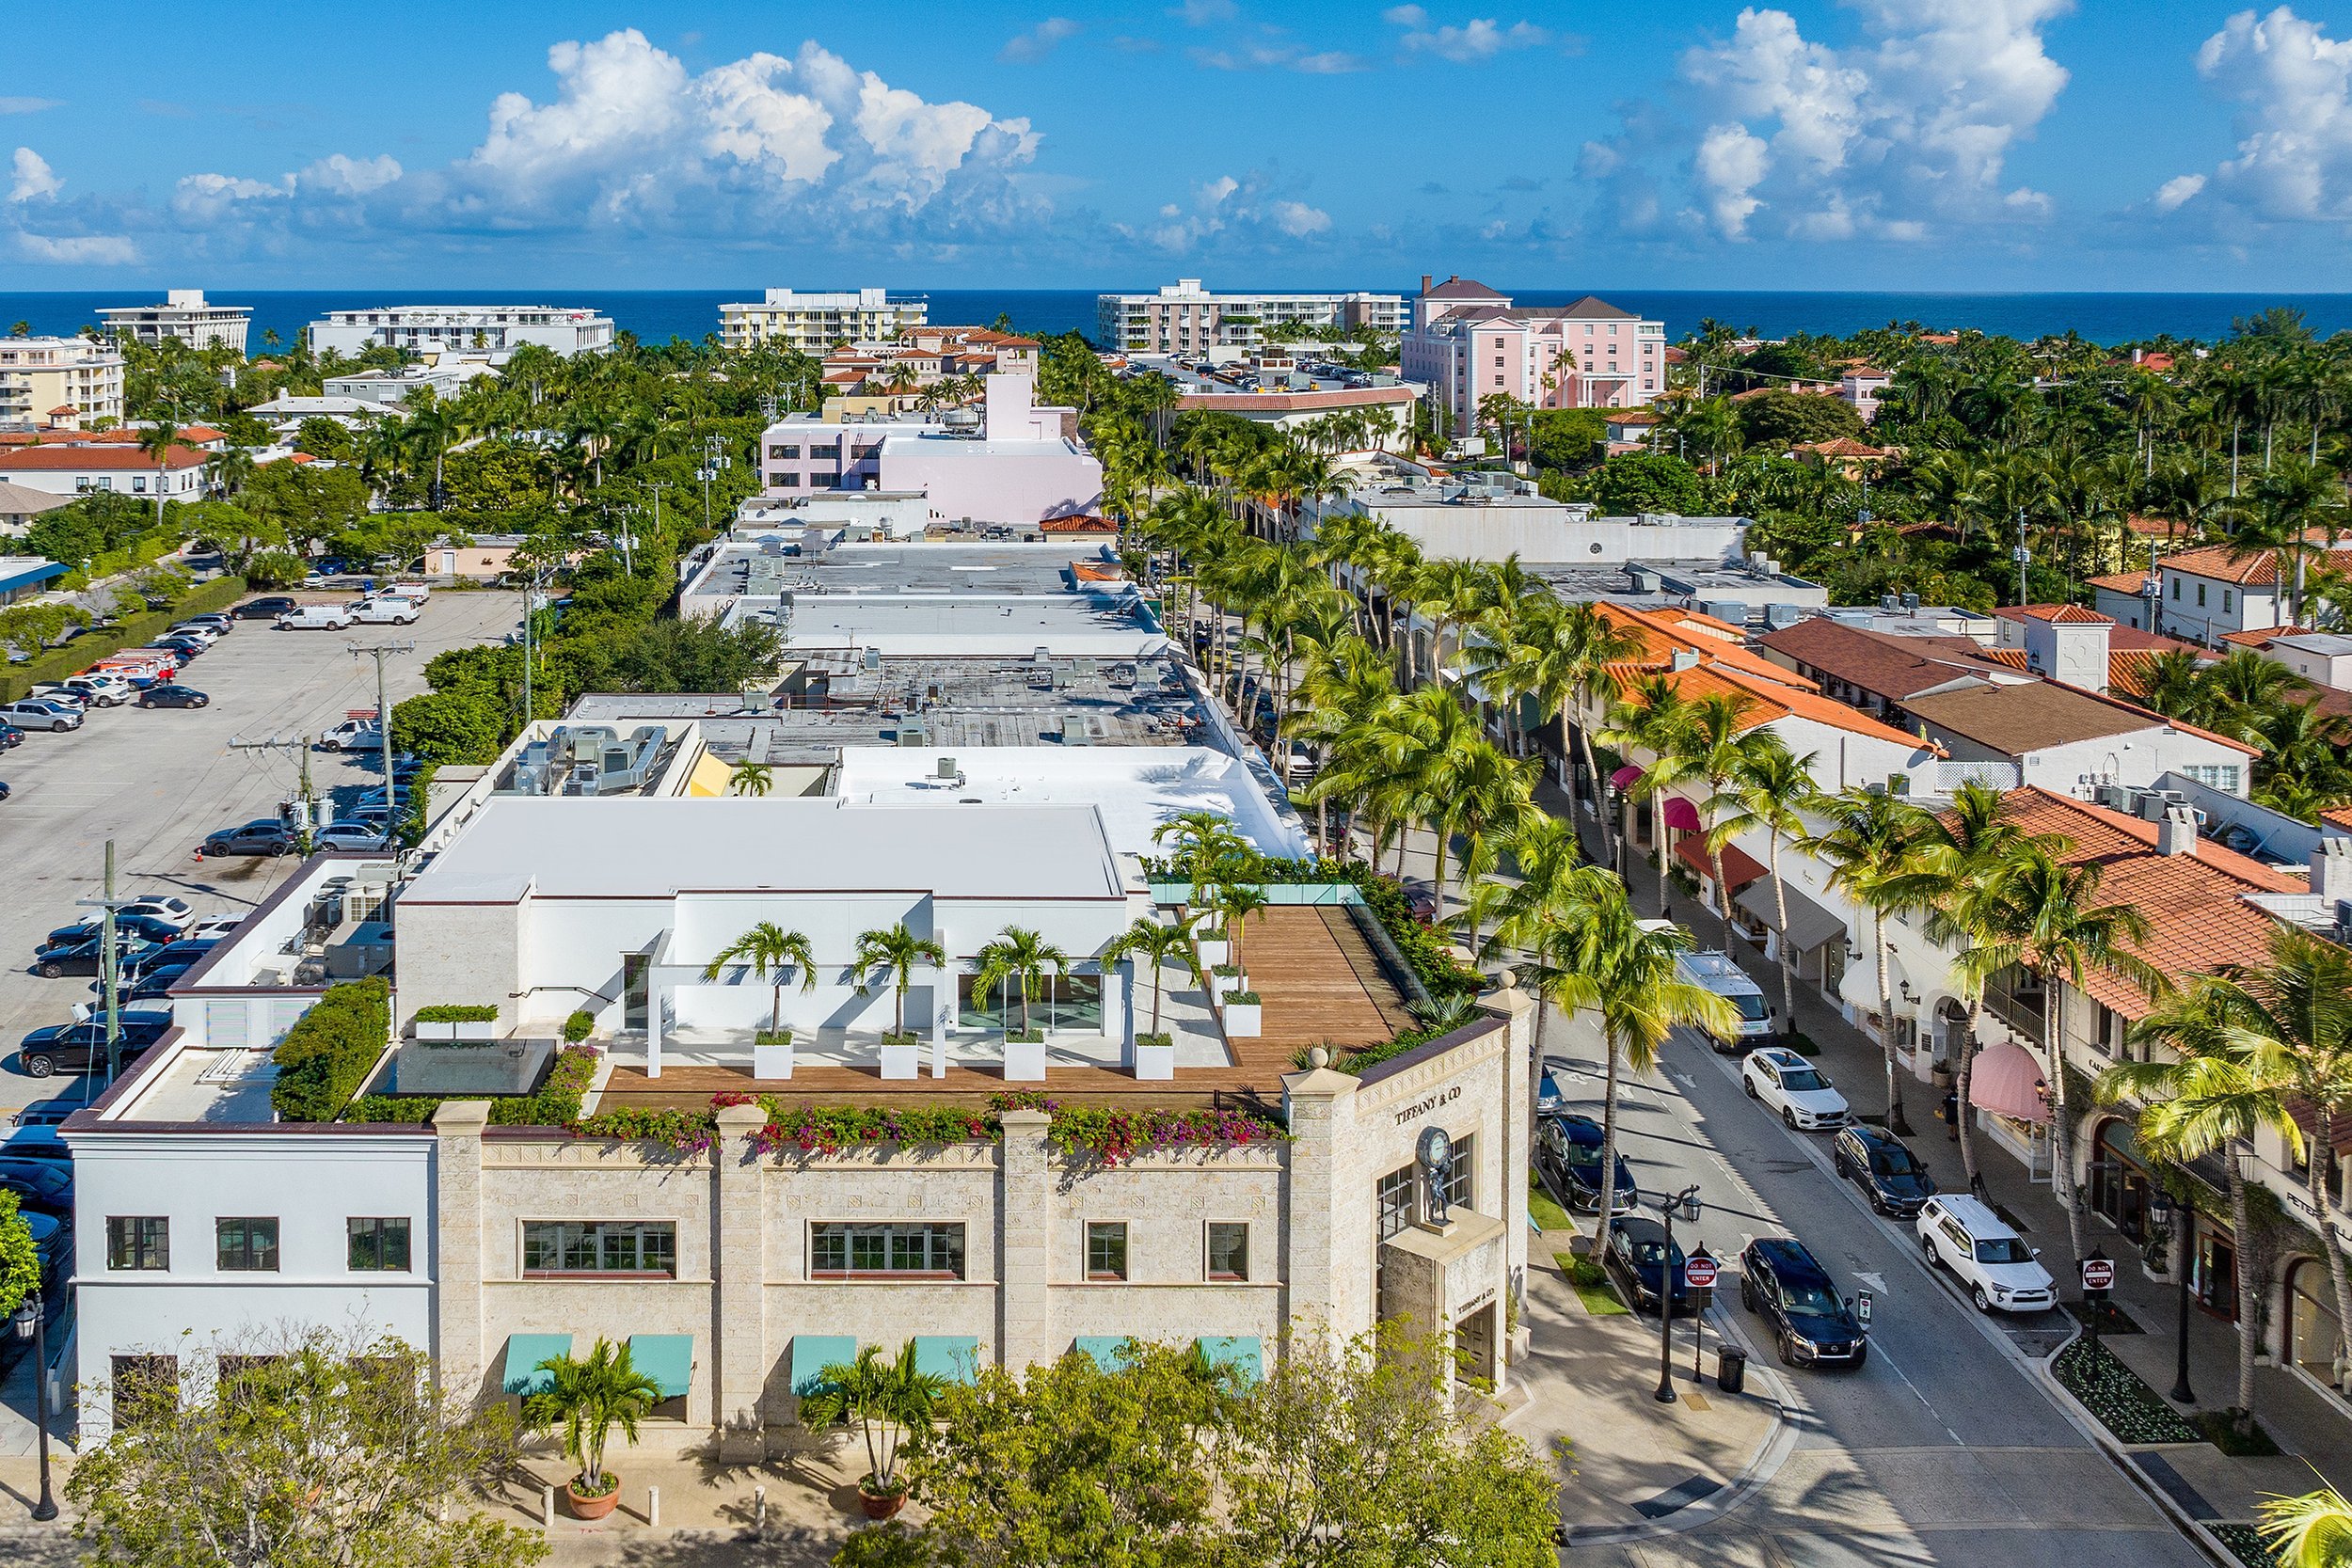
[(1992, 1260), (389, 610), (1721, 974), (316, 617)]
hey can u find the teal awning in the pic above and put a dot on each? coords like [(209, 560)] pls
[(1108, 1350), (666, 1358), (813, 1353), (1237, 1351), (953, 1357), (524, 1351)]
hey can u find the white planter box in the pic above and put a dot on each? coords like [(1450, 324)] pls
[(1155, 1063), (1212, 953), (437, 1031), (1220, 984), (1024, 1062), (899, 1061), (1241, 1021), (480, 1029), (773, 1061)]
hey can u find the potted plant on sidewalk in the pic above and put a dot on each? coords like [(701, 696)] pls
[(890, 1401), (587, 1398)]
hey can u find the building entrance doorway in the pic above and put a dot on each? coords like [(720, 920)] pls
[(1474, 1344), (636, 973)]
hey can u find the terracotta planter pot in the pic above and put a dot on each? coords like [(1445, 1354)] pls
[(594, 1507), (879, 1505)]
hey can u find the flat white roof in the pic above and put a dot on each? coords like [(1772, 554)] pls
[(1006, 624), (635, 848)]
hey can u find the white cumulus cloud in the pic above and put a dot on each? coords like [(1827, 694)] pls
[(1479, 39), (32, 177), (86, 250), (2292, 84), (1234, 213), (1039, 41)]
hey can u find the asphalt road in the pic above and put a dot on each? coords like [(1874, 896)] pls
[(156, 781), (1941, 1449)]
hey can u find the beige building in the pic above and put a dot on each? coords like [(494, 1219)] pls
[(42, 379), (813, 323)]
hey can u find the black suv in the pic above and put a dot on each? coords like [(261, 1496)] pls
[(1568, 1152), (1639, 1258), (147, 927), (1888, 1174), (264, 837), (1812, 1325), (85, 957), (82, 1047), (264, 609)]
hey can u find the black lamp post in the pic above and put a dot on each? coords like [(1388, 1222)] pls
[(2161, 1208), (30, 1320), (1686, 1202)]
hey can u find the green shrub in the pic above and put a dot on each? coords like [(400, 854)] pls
[(130, 632), (1163, 1038), (1243, 998), (771, 1037), (1023, 1036), (326, 1055), (577, 1027), (458, 1012)]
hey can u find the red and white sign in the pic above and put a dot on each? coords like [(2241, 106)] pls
[(1698, 1271), (2098, 1273)]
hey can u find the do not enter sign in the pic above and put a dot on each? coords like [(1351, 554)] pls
[(2098, 1273), (1698, 1271)]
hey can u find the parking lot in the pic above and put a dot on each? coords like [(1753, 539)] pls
[(156, 781)]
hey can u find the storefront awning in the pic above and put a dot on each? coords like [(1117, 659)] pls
[(1623, 776), (813, 1353), (1238, 1350), (955, 1357), (1681, 815), (1809, 925), (524, 1351), (1108, 1350), (666, 1358), (2007, 1081), (1739, 867)]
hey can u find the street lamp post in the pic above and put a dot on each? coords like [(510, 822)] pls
[(31, 1322), (2161, 1208), (1686, 1202)]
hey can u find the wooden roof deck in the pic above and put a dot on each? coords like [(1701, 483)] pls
[(1320, 984)]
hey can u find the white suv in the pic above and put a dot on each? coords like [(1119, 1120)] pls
[(1800, 1092), (1994, 1262)]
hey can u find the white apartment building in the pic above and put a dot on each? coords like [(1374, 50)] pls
[(184, 314), (75, 467), (563, 330), (58, 381), (1469, 344), (1184, 317), (2206, 594), (815, 322)]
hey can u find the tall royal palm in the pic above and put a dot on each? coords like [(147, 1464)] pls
[(1650, 715), (1711, 751), (1768, 794), (1872, 843)]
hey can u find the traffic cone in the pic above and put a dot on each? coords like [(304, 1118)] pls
[(199, 854)]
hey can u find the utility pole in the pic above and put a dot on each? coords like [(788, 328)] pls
[(380, 652), (2021, 554), (714, 459), (300, 746), (540, 576), (110, 964)]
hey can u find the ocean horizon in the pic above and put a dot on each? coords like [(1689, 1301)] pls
[(655, 316)]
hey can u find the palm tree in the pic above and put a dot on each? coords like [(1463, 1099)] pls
[(1153, 944), (751, 778), (1235, 903), (894, 951), (1553, 884), (587, 1398), (768, 949), (1768, 794), (890, 1400), (1019, 953), (1871, 846), (1650, 715), (1711, 750), (157, 441), (1206, 840), (2310, 1531)]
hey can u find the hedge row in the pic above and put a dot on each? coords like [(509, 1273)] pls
[(458, 1012), (326, 1057), (137, 631)]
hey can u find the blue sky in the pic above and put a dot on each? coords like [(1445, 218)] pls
[(1889, 144)]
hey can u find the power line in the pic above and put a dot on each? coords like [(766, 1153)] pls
[(380, 652)]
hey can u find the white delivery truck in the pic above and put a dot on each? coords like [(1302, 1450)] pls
[(316, 617), (1722, 975)]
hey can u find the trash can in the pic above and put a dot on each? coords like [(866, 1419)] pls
[(1731, 1370)]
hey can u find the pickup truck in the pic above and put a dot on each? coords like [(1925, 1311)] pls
[(388, 611), (353, 735), (35, 713), (102, 687), (1721, 974), (316, 617)]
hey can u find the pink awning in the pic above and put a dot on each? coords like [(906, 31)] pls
[(1681, 815), (2009, 1081), (1623, 776)]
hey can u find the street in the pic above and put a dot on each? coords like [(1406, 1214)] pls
[(1941, 1449), (157, 780)]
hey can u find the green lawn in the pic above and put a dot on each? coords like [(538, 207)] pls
[(1591, 1285), (1547, 1213)]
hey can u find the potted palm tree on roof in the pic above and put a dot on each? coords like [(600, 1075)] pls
[(1022, 956), (1153, 945), (587, 1397), (768, 950), (894, 951)]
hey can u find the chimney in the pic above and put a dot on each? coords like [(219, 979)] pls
[(1686, 659), (1425, 282), (2177, 833), (2331, 869)]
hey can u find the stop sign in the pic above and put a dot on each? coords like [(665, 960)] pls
[(2098, 1273), (1698, 1271)]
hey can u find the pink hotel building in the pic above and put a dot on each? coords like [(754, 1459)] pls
[(1468, 343)]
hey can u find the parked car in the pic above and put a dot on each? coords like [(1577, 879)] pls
[(1548, 1099), (83, 958), (53, 1246), (352, 733), (1639, 1258), (101, 688), (265, 837), (185, 951), (81, 1047), (41, 1185), (161, 906), (5, 790), (206, 632), (1989, 1259), (185, 649), (173, 696), (1812, 1325), (1567, 1150), (215, 620), (10, 735), (144, 928), (388, 611), (1720, 972), (61, 694), (1800, 1092), (212, 927), (316, 617), (348, 835), (153, 984), (267, 609), (1889, 1174), (38, 713)]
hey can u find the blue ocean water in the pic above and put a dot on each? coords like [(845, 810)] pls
[(657, 316)]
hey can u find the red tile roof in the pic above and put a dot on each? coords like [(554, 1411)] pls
[(2259, 569), (1079, 525), (50, 457), (2338, 816), (2063, 614), (2133, 583)]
